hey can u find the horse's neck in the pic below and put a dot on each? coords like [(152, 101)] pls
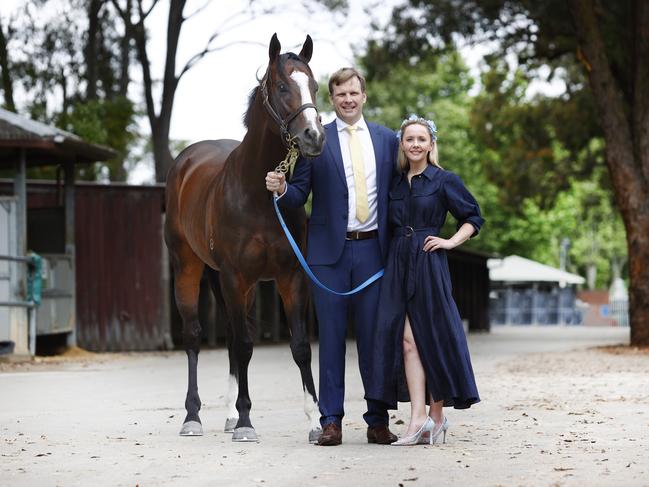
[(260, 152)]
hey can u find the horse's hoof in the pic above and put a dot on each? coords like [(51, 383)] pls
[(245, 434), (230, 424), (191, 428), (314, 435)]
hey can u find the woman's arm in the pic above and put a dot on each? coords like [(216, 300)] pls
[(432, 243)]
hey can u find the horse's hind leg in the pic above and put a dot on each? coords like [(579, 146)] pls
[(187, 276), (233, 384), (293, 290), (238, 297)]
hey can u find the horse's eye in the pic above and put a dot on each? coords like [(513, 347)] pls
[(282, 87)]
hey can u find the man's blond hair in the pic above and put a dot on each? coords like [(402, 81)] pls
[(342, 76)]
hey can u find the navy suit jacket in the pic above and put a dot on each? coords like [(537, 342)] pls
[(324, 175)]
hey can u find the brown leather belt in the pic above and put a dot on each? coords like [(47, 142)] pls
[(362, 235)]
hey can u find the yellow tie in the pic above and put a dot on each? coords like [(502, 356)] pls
[(358, 167)]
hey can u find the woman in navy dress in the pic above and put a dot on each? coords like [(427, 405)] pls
[(419, 330)]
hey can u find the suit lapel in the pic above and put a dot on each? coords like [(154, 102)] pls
[(334, 149), (378, 154)]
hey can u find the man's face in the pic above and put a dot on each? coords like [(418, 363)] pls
[(348, 100)]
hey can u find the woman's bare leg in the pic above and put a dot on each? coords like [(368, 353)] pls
[(416, 378), (436, 410)]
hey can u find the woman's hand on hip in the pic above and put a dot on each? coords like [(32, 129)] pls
[(432, 243)]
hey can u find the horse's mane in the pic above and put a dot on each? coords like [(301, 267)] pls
[(247, 116), (251, 101)]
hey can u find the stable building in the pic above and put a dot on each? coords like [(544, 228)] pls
[(526, 292)]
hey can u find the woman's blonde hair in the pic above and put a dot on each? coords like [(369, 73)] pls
[(402, 161)]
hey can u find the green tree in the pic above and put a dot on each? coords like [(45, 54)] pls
[(609, 41), (586, 215)]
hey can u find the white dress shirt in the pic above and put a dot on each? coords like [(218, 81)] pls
[(353, 224)]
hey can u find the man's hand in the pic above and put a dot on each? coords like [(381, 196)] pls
[(276, 182)]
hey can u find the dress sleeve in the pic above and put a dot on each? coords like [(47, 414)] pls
[(461, 203)]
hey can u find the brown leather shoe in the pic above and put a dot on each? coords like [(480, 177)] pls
[(331, 435), (380, 434)]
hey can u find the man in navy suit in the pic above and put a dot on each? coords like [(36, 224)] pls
[(347, 242)]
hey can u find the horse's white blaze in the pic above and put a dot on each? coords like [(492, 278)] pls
[(233, 392), (311, 410), (310, 114)]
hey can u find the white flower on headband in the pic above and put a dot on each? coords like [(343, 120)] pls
[(432, 128)]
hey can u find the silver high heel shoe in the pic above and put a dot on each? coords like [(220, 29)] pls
[(434, 434), (414, 438)]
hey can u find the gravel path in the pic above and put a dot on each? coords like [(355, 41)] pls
[(555, 410)]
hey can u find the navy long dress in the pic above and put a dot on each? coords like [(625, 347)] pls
[(418, 284)]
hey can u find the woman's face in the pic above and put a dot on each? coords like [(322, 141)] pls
[(416, 143)]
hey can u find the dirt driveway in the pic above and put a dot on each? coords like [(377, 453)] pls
[(554, 411)]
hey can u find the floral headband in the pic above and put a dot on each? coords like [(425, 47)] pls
[(432, 128)]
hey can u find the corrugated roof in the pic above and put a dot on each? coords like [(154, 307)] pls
[(46, 144), (514, 268), (14, 126)]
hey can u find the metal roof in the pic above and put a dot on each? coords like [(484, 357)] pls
[(514, 268), (44, 144)]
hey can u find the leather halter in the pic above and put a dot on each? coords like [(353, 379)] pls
[(283, 123)]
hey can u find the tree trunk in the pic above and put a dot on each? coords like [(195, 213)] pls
[(161, 153), (624, 123), (7, 82), (160, 123), (125, 55), (91, 50)]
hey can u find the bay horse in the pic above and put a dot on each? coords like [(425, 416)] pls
[(220, 218)]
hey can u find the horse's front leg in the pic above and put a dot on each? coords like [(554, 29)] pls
[(187, 276), (292, 288), (238, 297), (233, 388)]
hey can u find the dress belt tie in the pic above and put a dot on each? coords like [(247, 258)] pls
[(413, 245), (408, 231)]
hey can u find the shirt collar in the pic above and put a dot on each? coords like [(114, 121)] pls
[(341, 125), (429, 173)]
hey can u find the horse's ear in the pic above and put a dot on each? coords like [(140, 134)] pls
[(307, 49), (274, 48)]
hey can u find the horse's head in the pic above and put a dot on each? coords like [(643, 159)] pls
[(289, 91)]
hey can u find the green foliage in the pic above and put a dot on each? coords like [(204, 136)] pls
[(532, 146), (105, 122), (584, 213), (534, 163)]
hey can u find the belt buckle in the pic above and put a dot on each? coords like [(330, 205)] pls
[(410, 230)]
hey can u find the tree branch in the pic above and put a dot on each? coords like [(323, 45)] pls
[(121, 12), (198, 10), (145, 15), (198, 56)]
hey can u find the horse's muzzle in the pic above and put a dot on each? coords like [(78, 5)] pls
[(311, 142)]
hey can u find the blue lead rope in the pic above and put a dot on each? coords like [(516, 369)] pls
[(305, 266)]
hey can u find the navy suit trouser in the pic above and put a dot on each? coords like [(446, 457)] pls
[(360, 260)]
